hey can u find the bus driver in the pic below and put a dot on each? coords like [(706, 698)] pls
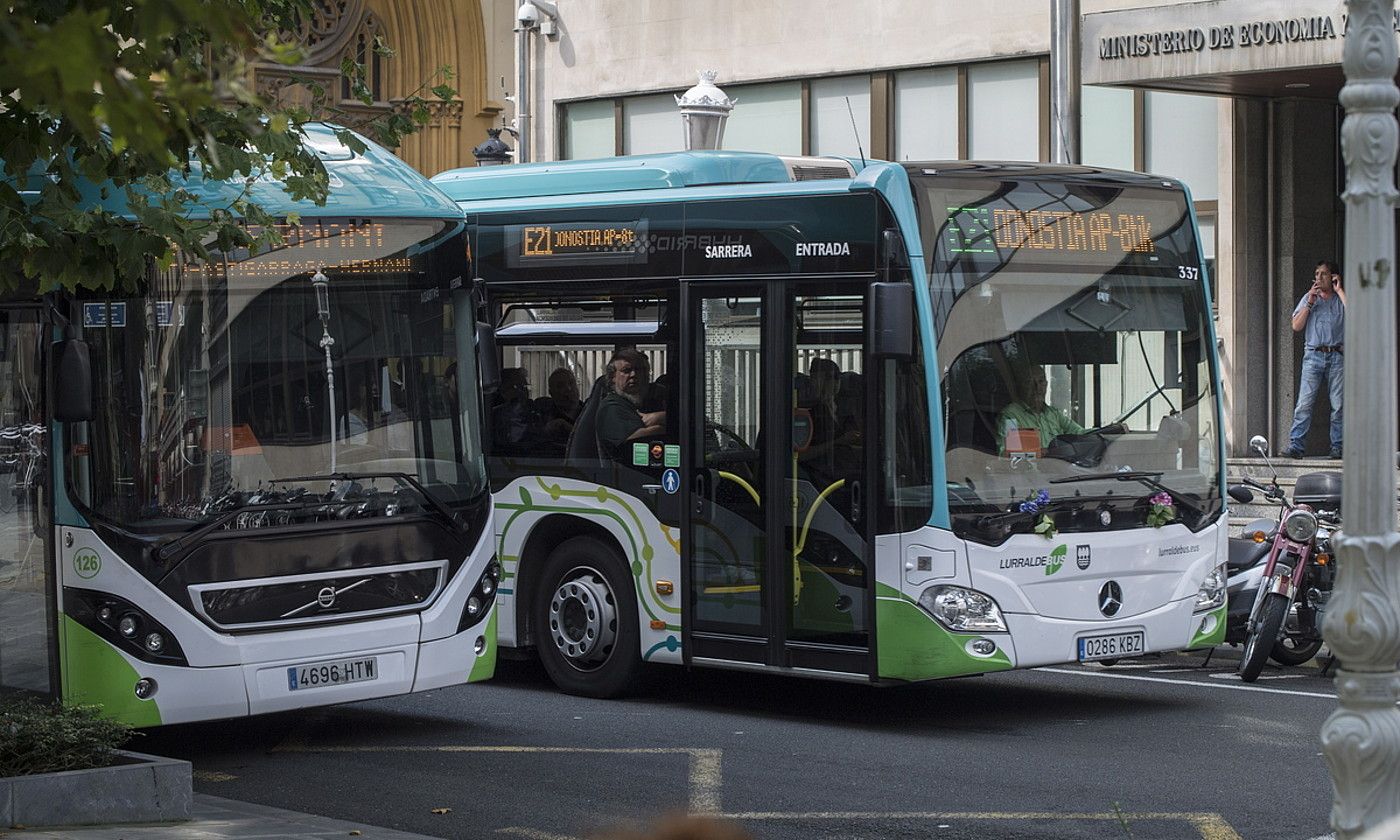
[(1031, 411), (620, 420)]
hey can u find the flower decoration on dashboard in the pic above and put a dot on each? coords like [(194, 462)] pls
[(1163, 509), (1045, 525)]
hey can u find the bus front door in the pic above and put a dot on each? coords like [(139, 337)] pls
[(27, 640), (775, 538)]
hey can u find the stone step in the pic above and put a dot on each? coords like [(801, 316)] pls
[(1288, 469)]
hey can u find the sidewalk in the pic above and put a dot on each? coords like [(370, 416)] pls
[(216, 818)]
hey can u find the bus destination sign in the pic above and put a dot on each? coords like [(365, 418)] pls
[(577, 243), (991, 230)]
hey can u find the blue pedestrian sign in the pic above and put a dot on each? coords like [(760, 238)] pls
[(671, 481)]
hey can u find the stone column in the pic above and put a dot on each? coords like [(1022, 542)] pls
[(1361, 739)]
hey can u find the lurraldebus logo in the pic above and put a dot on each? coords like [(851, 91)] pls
[(87, 563), (1052, 562)]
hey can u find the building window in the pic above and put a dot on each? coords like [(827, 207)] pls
[(1106, 127), (1003, 120), (589, 130), (651, 124), (1182, 140), (926, 114), (841, 116), (767, 119)]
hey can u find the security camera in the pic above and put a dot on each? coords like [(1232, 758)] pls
[(528, 14)]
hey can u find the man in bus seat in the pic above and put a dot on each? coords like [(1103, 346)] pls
[(620, 418), (1030, 412), (558, 411), (513, 420)]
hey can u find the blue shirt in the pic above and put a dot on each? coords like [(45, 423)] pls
[(1325, 325)]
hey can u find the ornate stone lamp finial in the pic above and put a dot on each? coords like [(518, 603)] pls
[(704, 111)]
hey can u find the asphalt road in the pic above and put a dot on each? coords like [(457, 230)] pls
[(1155, 748)]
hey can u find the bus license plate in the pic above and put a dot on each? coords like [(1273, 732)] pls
[(332, 673), (1114, 646)]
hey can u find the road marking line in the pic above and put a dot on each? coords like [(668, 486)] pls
[(212, 776), (1188, 682), (705, 774), (706, 779), (532, 834), (1210, 826)]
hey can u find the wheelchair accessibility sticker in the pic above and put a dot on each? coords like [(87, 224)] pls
[(670, 481)]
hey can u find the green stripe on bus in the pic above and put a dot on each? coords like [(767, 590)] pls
[(485, 665), (94, 673), (912, 646)]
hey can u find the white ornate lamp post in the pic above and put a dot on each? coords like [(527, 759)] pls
[(704, 110), (1361, 739)]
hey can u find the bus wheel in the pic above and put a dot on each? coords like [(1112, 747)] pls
[(586, 620)]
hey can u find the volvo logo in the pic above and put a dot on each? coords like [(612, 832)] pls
[(1110, 598), (325, 598)]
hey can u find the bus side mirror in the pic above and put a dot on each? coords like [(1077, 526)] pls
[(890, 320), (488, 362), (72, 381)]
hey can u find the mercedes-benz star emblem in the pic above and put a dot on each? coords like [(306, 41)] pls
[(1110, 598)]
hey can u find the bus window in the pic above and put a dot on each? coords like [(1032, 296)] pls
[(556, 412)]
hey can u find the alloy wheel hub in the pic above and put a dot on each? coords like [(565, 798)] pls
[(583, 618)]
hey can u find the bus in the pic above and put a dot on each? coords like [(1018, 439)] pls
[(893, 422), (255, 483)]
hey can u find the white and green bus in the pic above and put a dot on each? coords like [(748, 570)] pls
[(892, 422), (254, 483)]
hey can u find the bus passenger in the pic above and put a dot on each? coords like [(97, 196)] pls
[(558, 411), (513, 421), (620, 418), (1031, 411)]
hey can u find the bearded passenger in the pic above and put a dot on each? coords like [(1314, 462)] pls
[(620, 418)]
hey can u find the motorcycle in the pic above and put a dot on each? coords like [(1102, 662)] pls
[(1275, 563)]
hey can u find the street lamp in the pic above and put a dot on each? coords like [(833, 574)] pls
[(493, 152), (1361, 739), (704, 111), (322, 285)]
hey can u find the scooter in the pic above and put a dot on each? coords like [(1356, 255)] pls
[(1282, 573)]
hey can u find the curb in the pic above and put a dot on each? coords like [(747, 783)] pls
[(141, 788)]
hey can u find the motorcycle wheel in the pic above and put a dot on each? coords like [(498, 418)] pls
[(1261, 642), (1290, 650)]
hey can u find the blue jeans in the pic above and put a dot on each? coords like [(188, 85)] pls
[(1317, 368)]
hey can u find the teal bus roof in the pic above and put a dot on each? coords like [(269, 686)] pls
[(373, 183), (616, 174)]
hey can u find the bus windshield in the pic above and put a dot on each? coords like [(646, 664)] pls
[(1074, 342), (248, 382)]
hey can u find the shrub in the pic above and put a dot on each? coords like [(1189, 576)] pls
[(39, 737)]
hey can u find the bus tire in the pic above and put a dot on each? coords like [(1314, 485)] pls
[(585, 617)]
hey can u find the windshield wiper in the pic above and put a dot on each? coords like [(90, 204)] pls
[(175, 545), (428, 496), (1147, 478)]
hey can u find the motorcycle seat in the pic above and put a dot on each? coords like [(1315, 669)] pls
[(1245, 553)]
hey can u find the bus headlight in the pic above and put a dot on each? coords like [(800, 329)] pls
[(1300, 525), (1212, 592), (963, 610)]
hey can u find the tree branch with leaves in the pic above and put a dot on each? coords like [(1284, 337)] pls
[(111, 109)]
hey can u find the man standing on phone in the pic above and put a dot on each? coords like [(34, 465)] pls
[(1319, 316)]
